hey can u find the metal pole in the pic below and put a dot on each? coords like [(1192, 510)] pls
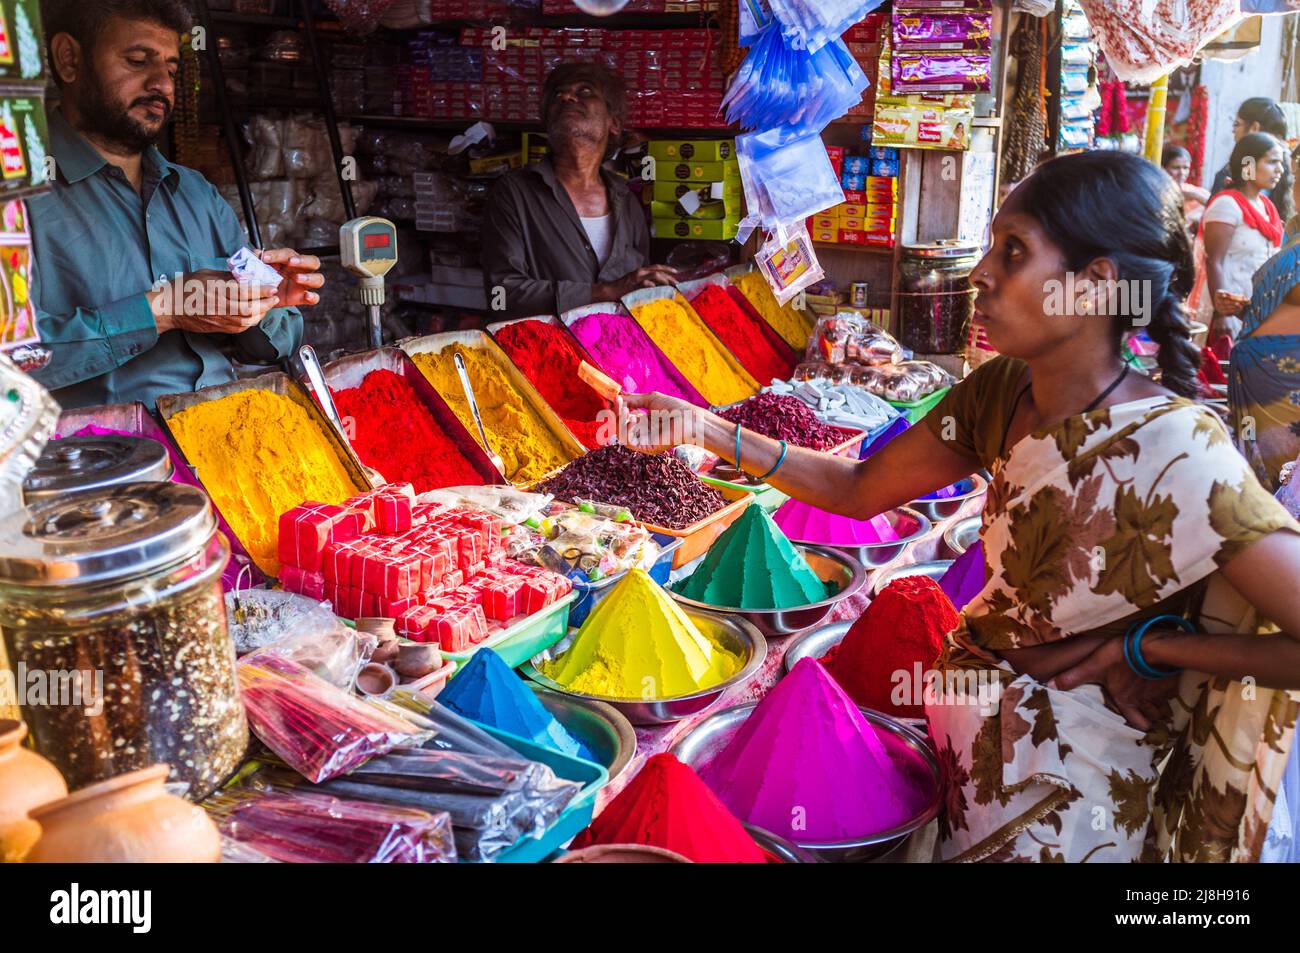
[(327, 107), (1155, 138), (228, 123)]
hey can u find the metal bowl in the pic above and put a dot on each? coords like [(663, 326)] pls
[(601, 727), (736, 634), (961, 535), (938, 510), (784, 850), (908, 523), (910, 751), (830, 565), (817, 642), (934, 569)]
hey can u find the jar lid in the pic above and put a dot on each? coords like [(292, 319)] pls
[(92, 461), (943, 248), (113, 532)]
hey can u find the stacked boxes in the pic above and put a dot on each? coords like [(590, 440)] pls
[(674, 77), (697, 191), (869, 212), (441, 572)]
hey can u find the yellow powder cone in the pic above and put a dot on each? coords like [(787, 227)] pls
[(638, 643)]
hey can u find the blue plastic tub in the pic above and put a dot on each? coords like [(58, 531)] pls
[(575, 817), (590, 593), (883, 434)]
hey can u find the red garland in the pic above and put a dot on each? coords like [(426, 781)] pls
[(1196, 124), (1106, 114), (1122, 126)]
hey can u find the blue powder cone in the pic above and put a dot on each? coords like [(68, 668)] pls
[(487, 690)]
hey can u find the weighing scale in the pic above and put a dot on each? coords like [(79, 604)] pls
[(368, 249)]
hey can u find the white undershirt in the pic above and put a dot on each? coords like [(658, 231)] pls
[(601, 232)]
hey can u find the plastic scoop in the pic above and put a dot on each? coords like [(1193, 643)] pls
[(600, 382), (473, 409)]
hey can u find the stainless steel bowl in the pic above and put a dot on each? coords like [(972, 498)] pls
[(817, 642), (601, 727), (961, 535), (935, 569), (908, 523), (779, 847), (736, 634), (938, 510), (911, 753), (830, 565)]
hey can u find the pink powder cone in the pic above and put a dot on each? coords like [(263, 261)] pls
[(807, 524), (808, 766)]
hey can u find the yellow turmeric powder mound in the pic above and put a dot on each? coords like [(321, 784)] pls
[(527, 446), (691, 346), (787, 320), (258, 454)]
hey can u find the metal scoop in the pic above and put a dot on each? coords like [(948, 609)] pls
[(473, 409)]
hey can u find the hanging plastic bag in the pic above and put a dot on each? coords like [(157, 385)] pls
[(811, 24), (789, 267), (780, 86), (786, 180)]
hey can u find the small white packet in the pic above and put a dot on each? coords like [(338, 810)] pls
[(248, 269), (789, 266)]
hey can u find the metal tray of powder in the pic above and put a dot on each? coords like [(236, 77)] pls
[(644, 296), (691, 289), (573, 315), (479, 340), (495, 327), (351, 369), (135, 418), (277, 382)]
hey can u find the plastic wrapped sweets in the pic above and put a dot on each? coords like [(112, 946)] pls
[(902, 383), (848, 338)]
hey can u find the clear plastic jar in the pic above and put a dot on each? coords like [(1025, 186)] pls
[(935, 299), (113, 617)]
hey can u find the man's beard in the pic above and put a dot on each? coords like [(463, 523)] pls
[(110, 120), (571, 127)]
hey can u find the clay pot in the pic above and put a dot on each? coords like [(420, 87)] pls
[(26, 781), (385, 629), (622, 854), (127, 819), (386, 652), (416, 660), (376, 680)]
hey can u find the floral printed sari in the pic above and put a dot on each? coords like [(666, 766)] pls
[(1087, 524)]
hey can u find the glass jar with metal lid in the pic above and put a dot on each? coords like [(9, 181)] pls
[(92, 461), (935, 299), (112, 614)]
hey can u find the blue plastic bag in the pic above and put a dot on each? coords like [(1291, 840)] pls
[(811, 24), (777, 86)]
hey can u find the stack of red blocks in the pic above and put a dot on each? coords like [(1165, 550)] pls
[(441, 572)]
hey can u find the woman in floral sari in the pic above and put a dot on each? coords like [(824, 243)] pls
[(1114, 500)]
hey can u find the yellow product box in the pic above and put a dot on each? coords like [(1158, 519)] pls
[(826, 235), (820, 222), (501, 163), (826, 300), (697, 171), (693, 150), (666, 190), (712, 210), (716, 230), (853, 224), (882, 183), (535, 147), (877, 223), (851, 211)]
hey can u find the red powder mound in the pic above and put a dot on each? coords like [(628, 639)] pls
[(549, 360), (667, 805), (904, 625), (393, 432), (742, 334)]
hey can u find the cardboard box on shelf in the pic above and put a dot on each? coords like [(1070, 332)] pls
[(693, 150), (668, 190), (697, 171), (695, 228)]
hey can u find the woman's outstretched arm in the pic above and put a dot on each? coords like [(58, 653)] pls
[(912, 464)]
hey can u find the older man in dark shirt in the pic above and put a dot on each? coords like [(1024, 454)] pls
[(566, 231)]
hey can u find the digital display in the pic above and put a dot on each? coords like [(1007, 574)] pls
[(376, 241)]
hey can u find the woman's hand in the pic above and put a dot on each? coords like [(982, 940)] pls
[(1141, 701), (662, 423), (1228, 304)]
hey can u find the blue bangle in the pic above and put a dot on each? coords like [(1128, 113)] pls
[(737, 446), (1133, 646), (779, 460)]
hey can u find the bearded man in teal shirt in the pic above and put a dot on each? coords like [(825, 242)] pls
[(121, 221)]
